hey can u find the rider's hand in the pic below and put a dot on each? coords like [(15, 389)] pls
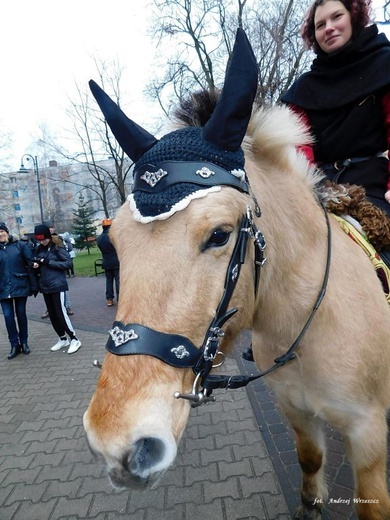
[(387, 196)]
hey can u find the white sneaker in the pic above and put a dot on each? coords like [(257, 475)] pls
[(75, 344), (61, 343)]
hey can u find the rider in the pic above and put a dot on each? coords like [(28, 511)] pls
[(345, 98)]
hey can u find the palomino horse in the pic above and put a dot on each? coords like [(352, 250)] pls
[(190, 282)]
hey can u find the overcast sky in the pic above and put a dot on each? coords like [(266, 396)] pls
[(48, 45)]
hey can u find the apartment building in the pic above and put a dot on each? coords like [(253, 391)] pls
[(60, 188)]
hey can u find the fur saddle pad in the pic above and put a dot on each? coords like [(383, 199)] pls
[(381, 268), (350, 199), (361, 220)]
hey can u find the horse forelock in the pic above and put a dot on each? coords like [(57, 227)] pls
[(196, 109)]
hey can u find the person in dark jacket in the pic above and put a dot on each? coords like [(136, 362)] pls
[(15, 286), (345, 97), (110, 262), (53, 260)]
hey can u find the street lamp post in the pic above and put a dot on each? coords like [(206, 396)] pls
[(22, 169)]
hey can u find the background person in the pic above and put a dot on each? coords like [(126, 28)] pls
[(72, 253), (110, 262), (52, 260), (16, 285), (345, 97)]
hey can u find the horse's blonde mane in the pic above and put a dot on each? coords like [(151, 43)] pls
[(274, 136)]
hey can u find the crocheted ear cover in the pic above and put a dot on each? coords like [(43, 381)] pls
[(181, 146)]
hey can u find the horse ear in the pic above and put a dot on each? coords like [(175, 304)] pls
[(228, 124), (133, 139)]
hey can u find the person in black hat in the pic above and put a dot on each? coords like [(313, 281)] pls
[(16, 285), (52, 261)]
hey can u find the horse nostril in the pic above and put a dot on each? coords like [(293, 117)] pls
[(145, 456)]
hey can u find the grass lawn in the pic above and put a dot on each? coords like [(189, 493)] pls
[(84, 263)]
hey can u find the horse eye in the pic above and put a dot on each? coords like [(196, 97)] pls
[(219, 238)]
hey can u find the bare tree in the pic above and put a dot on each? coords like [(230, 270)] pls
[(385, 13), (201, 33), (95, 141)]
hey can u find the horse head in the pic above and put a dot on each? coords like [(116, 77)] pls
[(180, 258)]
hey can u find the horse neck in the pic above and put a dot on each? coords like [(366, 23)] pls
[(295, 230)]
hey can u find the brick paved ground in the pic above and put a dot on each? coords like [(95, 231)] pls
[(223, 471), (235, 458)]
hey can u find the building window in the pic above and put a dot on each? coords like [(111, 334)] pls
[(17, 207), (19, 220), (15, 194)]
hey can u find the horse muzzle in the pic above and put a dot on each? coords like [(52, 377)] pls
[(144, 464), (138, 463)]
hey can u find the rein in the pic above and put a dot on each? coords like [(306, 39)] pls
[(213, 382), (180, 352)]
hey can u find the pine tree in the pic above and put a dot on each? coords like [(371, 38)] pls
[(83, 229)]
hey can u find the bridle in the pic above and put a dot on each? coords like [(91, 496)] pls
[(178, 351), (169, 173)]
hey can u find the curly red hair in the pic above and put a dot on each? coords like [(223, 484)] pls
[(360, 11)]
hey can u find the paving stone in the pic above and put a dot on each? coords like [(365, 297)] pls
[(191, 494), (252, 509), (11, 513), (222, 454), (76, 506), (222, 488), (155, 498), (242, 467), (175, 513), (50, 473), (201, 474), (267, 483), (5, 492), (210, 511), (22, 492), (109, 502)]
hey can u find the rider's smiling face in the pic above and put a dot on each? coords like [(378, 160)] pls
[(333, 26)]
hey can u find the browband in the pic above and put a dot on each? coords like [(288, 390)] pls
[(151, 178)]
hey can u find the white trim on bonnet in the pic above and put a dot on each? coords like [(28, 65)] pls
[(182, 204)]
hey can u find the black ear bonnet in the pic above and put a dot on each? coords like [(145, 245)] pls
[(193, 161)]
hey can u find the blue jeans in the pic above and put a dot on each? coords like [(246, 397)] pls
[(10, 308)]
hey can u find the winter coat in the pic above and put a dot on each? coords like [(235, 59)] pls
[(15, 267), (110, 258), (52, 271), (345, 98)]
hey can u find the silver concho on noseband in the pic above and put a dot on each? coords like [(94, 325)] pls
[(119, 337), (180, 352)]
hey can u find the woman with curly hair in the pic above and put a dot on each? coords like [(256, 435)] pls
[(345, 97)]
